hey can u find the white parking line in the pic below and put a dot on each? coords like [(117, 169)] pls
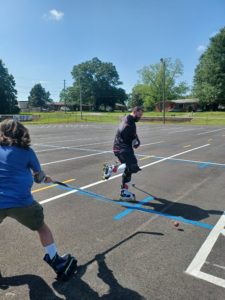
[(62, 141), (73, 158), (215, 265), (194, 268), (211, 131), (181, 131), (192, 161), (54, 147), (75, 147), (116, 176)]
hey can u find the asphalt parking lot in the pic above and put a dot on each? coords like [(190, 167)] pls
[(125, 250)]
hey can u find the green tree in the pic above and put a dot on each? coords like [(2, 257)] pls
[(98, 82), (71, 97), (151, 85), (38, 96), (209, 78), (137, 96), (8, 98)]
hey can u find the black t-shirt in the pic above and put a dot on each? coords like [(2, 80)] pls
[(125, 134)]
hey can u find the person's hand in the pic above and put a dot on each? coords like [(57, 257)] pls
[(48, 179), (136, 143)]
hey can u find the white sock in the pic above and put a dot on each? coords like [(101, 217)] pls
[(121, 168), (51, 250)]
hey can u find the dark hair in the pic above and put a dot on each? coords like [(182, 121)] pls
[(137, 108), (13, 133)]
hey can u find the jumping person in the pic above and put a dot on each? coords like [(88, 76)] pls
[(126, 140), (19, 167)]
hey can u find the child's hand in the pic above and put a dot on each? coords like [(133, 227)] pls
[(48, 179)]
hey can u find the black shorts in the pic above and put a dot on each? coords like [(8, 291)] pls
[(127, 157)]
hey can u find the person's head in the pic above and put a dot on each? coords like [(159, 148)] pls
[(137, 113), (13, 133)]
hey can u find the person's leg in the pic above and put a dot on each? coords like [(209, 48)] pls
[(45, 235), (47, 240), (131, 168), (109, 169), (32, 217), (126, 178)]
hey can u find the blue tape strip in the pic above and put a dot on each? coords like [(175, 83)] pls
[(129, 210), (181, 219), (199, 164), (136, 207), (204, 165), (89, 194)]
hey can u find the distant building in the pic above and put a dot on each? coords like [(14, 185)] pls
[(180, 105), (57, 106), (23, 105), (119, 106)]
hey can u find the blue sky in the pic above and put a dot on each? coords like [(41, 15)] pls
[(42, 40)]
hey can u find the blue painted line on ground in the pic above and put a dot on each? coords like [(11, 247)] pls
[(204, 165), (187, 161), (129, 210), (181, 219), (89, 194), (136, 207)]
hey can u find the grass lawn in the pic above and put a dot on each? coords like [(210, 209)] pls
[(199, 118)]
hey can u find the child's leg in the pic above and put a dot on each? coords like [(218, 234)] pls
[(47, 240), (32, 217), (45, 235)]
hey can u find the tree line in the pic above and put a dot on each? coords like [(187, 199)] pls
[(98, 84)]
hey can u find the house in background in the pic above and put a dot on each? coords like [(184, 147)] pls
[(180, 105), (23, 105)]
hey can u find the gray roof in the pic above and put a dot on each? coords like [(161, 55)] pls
[(182, 101)]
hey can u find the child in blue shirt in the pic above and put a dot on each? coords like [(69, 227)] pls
[(19, 167)]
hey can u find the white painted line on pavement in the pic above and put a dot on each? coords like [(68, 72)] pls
[(192, 161), (194, 268), (215, 265), (116, 176), (53, 147), (152, 143), (62, 141), (181, 131), (73, 158), (211, 131)]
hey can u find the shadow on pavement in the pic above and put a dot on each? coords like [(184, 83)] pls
[(38, 288), (187, 211), (76, 288)]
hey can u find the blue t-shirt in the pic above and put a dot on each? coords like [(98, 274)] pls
[(16, 177)]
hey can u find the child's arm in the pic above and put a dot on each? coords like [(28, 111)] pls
[(38, 173)]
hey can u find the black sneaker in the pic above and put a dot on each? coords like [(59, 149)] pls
[(64, 266)]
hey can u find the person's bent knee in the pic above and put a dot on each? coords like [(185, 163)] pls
[(134, 168)]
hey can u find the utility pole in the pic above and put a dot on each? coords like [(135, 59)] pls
[(81, 116), (163, 88), (64, 90)]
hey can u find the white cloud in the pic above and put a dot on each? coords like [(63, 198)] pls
[(201, 48), (54, 15)]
